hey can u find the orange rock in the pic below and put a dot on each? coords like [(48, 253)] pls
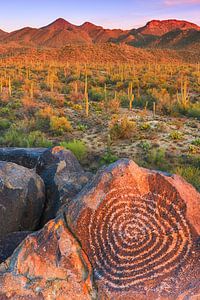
[(57, 149), (48, 265), (140, 230)]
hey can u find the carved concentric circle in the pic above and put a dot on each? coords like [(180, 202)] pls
[(135, 239)]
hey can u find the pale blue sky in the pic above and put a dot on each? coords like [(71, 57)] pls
[(125, 14)]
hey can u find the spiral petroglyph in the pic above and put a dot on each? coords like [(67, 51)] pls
[(140, 230), (134, 239)]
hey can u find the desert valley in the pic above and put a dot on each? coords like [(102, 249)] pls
[(93, 123)]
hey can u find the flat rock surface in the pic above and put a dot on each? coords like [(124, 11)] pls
[(141, 232)]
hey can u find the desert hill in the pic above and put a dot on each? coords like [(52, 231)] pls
[(159, 34)]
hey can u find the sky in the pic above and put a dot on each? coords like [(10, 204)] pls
[(125, 14)]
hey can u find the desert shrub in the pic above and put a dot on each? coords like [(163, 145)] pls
[(192, 124), (124, 101), (65, 90), (108, 158), (194, 111), (193, 149), (82, 127), (44, 86), (96, 94), (5, 111), (17, 137), (43, 117), (196, 142), (17, 84), (46, 112), (176, 135), (145, 126), (157, 158), (38, 139), (122, 129), (114, 105), (29, 104), (4, 124), (144, 145), (77, 106), (59, 125), (78, 148), (14, 137), (190, 173)]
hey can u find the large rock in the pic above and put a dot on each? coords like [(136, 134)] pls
[(26, 157), (141, 232), (49, 264), (22, 198), (10, 242), (63, 177)]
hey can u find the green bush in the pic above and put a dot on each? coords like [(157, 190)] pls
[(78, 148), (82, 127), (157, 159), (194, 111), (4, 124), (176, 135), (96, 94), (144, 145), (196, 142), (108, 158), (145, 126), (16, 137), (193, 149), (38, 139)]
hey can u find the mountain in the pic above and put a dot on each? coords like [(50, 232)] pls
[(23, 35), (178, 39), (57, 34), (155, 34), (169, 34), (99, 34), (158, 28), (3, 34)]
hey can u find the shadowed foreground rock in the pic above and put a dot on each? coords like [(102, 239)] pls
[(26, 157), (48, 265), (10, 242), (22, 198), (63, 177), (141, 232)]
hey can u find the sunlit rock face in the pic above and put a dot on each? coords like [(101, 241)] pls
[(140, 230), (49, 264)]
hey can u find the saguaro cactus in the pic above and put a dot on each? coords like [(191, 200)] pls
[(9, 87), (31, 90), (86, 97), (130, 95), (183, 97), (154, 109)]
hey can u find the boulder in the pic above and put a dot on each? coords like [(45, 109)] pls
[(22, 198), (10, 242), (63, 177), (26, 157), (141, 232), (49, 264)]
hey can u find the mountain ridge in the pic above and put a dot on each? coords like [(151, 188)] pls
[(59, 33)]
